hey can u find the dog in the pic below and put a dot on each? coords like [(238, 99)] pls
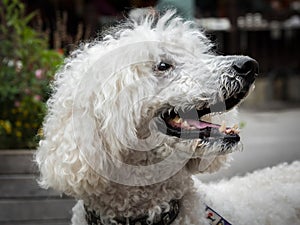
[(135, 114)]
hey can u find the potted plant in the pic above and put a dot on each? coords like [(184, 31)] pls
[(26, 67)]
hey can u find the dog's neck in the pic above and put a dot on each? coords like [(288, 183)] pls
[(119, 201)]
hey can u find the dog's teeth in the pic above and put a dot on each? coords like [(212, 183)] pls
[(231, 131), (177, 120), (235, 129), (222, 127)]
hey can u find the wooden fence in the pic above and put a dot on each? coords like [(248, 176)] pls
[(22, 201)]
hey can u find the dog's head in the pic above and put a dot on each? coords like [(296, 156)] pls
[(138, 106)]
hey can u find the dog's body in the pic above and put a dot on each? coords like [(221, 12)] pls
[(134, 116), (268, 196)]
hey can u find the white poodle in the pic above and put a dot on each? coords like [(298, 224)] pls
[(132, 117)]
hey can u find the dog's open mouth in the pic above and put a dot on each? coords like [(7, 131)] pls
[(189, 124)]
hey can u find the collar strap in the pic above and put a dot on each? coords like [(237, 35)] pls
[(166, 218), (214, 217)]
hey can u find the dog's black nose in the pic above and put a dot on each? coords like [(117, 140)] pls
[(246, 67)]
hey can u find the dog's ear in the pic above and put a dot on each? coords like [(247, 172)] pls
[(70, 140)]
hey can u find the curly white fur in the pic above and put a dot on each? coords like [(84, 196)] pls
[(100, 140)]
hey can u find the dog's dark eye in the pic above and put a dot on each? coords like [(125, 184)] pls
[(162, 66)]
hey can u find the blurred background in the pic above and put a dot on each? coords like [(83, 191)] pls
[(36, 36)]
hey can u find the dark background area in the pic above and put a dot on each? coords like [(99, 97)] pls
[(268, 34)]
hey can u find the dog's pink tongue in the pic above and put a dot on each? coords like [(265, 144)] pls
[(201, 124)]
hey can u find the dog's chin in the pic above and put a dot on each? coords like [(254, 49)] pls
[(210, 157), (203, 165)]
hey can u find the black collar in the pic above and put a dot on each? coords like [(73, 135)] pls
[(166, 218)]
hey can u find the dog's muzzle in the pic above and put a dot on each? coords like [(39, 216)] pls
[(235, 86)]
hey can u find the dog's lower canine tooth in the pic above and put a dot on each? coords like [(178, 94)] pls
[(234, 129), (230, 131), (222, 127)]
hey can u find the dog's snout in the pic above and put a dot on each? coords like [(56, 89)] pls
[(246, 66)]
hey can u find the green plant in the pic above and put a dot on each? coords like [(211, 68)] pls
[(26, 67)]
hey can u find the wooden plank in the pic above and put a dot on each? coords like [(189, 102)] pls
[(26, 210), (23, 186), (17, 162)]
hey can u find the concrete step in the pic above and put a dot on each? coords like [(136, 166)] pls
[(38, 222), (21, 210), (22, 201), (17, 162), (23, 186)]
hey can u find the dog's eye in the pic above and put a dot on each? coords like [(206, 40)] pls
[(162, 66)]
